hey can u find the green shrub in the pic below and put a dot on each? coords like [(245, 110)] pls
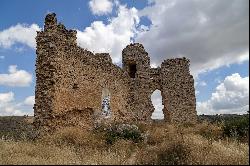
[(123, 131), (111, 137), (237, 127)]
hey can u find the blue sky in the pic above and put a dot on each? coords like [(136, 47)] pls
[(212, 34)]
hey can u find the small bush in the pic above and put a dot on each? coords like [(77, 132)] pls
[(123, 131), (176, 154), (237, 128)]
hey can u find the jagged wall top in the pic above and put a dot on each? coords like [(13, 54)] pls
[(133, 51), (50, 22), (51, 26)]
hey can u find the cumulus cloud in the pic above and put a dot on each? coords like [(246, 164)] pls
[(30, 101), (211, 33), (10, 111), (230, 96), (156, 99), (18, 78), (19, 33), (6, 97), (114, 36), (8, 106), (101, 7)]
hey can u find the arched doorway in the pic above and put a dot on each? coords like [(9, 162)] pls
[(106, 110), (156, 99)]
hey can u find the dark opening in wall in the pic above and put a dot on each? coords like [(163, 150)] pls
[(132, 70), (75, 86)]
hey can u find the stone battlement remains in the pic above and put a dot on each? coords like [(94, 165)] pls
[(75, 87)]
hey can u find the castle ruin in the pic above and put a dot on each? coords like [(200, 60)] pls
[(75, 87)]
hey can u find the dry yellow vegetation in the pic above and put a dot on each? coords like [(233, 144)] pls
[(163, 144)]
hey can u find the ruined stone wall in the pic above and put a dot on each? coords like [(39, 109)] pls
[(155, 79), (173, 79), (70, 80), (178, 91), (139, 86), (71, 83), (82, 80), (45, 89)]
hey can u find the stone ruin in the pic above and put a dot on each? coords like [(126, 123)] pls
[(75, 87)]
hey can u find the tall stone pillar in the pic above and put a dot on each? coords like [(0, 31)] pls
[(178, 91), (136, 63)]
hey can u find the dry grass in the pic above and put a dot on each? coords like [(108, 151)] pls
[(35, 153), (165, 144)]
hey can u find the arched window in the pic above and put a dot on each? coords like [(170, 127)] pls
[(106, 111), (156, 99)]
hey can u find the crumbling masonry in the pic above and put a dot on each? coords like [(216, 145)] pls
[(75, 87)]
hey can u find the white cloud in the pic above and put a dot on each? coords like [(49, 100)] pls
[(101, 7), (18, 78), (19, 33), (156, 99), (114, 36), (8, 106), (203, 83), (197, 92), (10, 111), (210, 33), (230, 96), (30, 100), (6, 97), (2, 57)]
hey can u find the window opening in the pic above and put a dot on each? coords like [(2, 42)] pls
[(106, 110), (156, 99), (132, 70)]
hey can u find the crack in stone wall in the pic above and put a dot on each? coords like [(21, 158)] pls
[(70, 81)]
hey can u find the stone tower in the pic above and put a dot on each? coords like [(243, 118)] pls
[(136, 63)]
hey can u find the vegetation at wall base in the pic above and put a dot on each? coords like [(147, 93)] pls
[(204, 143)]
